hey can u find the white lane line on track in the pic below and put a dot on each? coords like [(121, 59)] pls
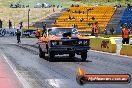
[(19, 76), (113, 54)]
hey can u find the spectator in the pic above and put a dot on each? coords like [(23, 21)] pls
[(37, 33), (55, 22), (93, 18), (112, 30), (10, 24), (57, 6), (70, 18), (119, 5), (72, 5), (68, 10), (1, 23), (53, 8), (27, 6), (76, 5), (44, 29), (73, 25), (83, 12), (105, 31), (73, 18), (42, 5), (128, 5), (92, 32), (81, 20), (74, 11), (79, 11), (125, 35), (89, 24), (96, 29), (21, 25), (18, 34)]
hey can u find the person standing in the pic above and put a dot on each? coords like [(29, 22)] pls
[(125, 35), (21, 25), (81, 20), (92, 32), (96, 29), (105, 31), (44, 29), (37, 33), (10, 24), (18, 34), (1, 23), (112, 30), (53, 8)]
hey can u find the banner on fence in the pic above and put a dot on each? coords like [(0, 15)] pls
[(7, 32)]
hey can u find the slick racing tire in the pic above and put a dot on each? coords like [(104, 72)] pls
[(84, 56), (41, 53), (51, 56)]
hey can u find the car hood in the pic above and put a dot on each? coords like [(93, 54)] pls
[(72, 37)]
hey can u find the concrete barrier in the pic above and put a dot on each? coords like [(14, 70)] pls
[(126, 50), (103, 44)]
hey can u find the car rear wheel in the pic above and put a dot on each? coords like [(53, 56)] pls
[(84, 56), (41, 53)]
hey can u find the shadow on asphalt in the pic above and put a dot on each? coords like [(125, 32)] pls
[(65, 59)]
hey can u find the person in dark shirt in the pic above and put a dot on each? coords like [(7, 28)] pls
[(92, 32), (1, 23), (21, 25), (81, 20), (18, 34), (112, 30), (93, 18), (10, 24), (44, 29)]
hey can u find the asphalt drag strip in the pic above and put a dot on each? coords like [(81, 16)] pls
[(61, 73)]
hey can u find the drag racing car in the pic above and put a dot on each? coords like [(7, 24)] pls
[(63, 40)]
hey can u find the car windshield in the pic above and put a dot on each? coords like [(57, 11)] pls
[(60, 31)]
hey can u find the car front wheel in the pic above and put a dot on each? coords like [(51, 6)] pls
[(51, 56), (41, 53), (84, 56)]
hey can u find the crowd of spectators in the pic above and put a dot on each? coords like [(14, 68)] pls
[(38, 5)]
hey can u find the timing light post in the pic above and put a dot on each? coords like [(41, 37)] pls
[(28, 18)]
